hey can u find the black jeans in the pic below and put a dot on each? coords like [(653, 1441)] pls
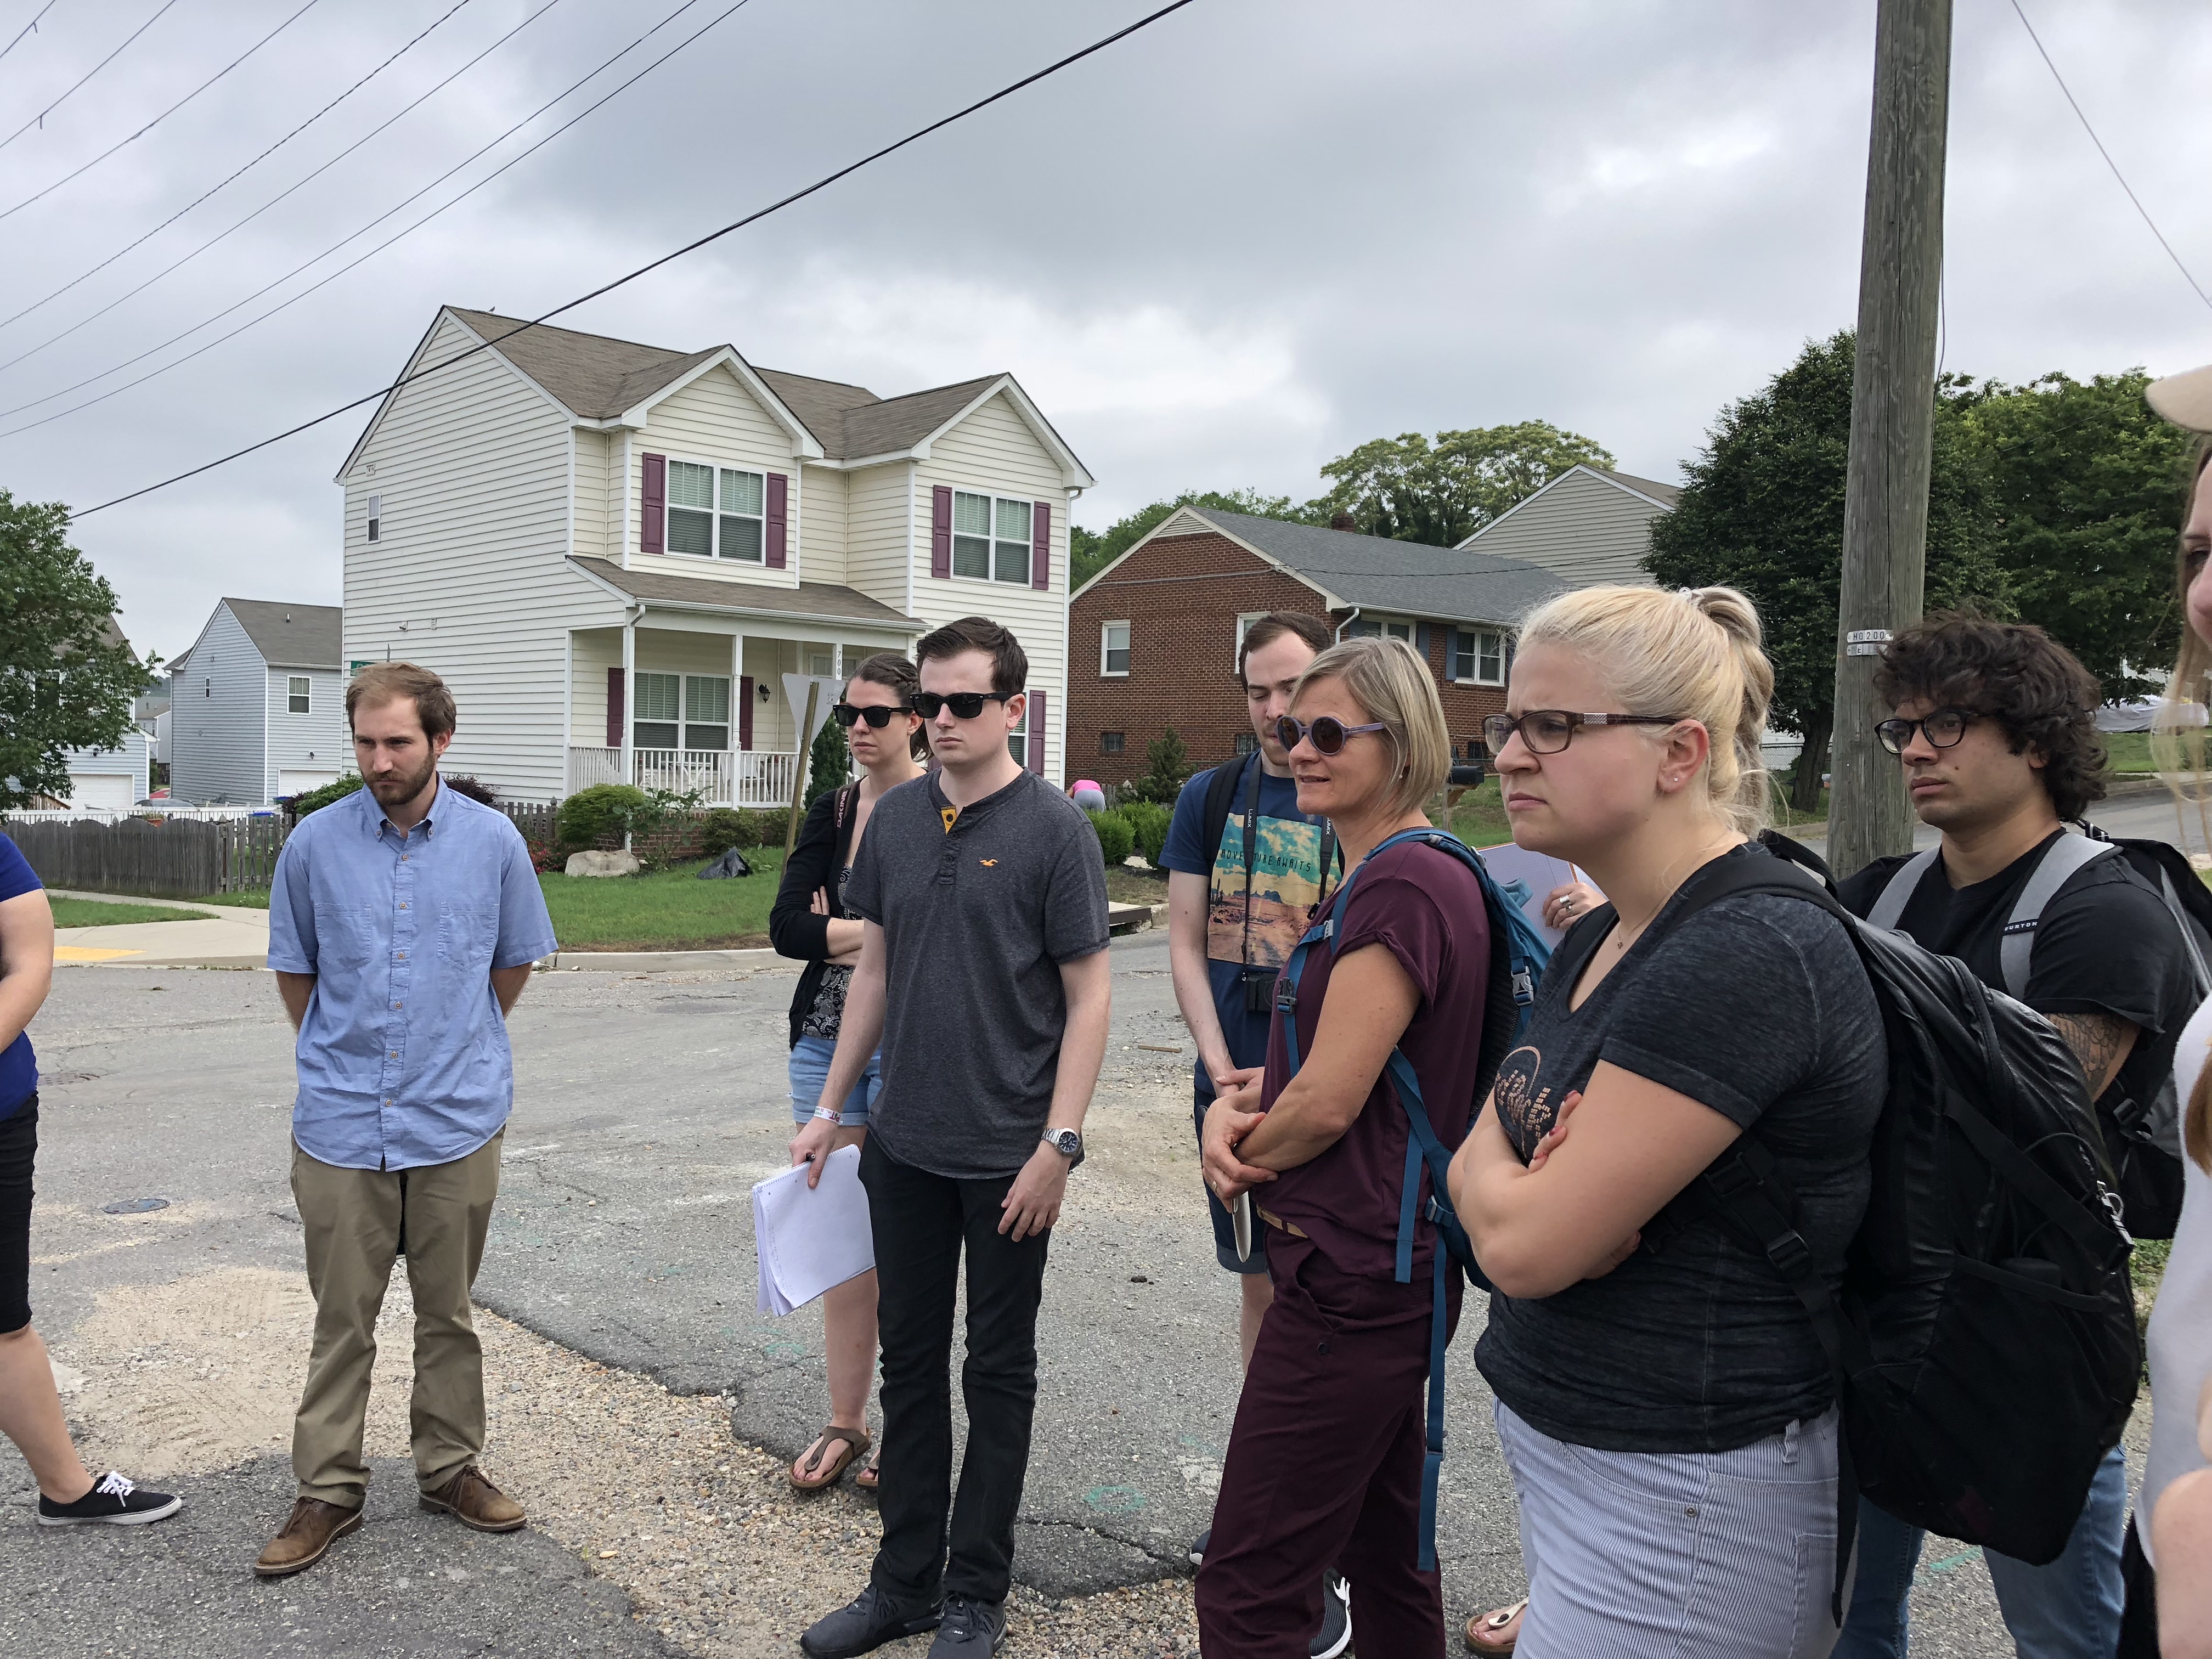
[(920, 1223), (19, 1150)]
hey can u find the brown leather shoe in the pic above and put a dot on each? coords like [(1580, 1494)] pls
[(312, 1528), (473, 1501)]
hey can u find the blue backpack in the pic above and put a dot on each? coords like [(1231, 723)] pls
[(1518, 955)]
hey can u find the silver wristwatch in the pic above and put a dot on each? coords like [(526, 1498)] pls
[(1066, 1142)]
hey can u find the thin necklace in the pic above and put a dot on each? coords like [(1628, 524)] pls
[(1624, 937)]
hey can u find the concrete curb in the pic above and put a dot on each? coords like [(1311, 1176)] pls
[(663, 961)]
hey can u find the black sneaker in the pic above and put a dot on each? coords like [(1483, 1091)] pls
[(1198, 1547), (114, 1501), (1335, 1632), (863, 1624), (970, 1629)]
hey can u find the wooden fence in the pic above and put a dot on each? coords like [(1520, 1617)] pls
[(533, 817), (174, 857)]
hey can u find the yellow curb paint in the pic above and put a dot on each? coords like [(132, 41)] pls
[(87, 953)]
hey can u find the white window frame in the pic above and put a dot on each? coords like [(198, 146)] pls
[(1244, 621), (300, 693), (1395, 627), (992, 542), (1106, 671), (684, 722), (1495, 634), (716, 515), (375, 517)]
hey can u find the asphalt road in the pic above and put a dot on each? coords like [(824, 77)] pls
[(647, 1108)]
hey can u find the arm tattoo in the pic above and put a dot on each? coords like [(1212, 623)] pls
[(2100, 1042)]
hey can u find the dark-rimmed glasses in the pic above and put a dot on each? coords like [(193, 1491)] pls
[(1547, 731), (846, 714), (1944, 729), (964, 705), (1328, 733)]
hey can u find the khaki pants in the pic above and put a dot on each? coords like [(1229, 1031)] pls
[(352, 1219)]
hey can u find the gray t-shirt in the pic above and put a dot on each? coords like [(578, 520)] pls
[(979, 907), (1758, 1007)]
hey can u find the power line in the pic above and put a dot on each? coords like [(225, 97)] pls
[(41, 118), (241, 224), (29, 28), (221, 183), (754, 217), (173, 108), (309, 264), (2107, 154)]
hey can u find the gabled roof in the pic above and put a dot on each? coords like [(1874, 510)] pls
[(1664, 496), (292, 635), (814, 601), (590, 375), (1377, 574)]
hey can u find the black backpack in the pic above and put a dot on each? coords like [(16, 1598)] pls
[(2142, 1138), (1984, 1346)]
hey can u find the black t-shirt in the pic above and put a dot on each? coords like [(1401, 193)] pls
[(2106, 945), (1758, 1007)]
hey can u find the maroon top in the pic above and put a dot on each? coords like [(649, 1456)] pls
[(1423, 906)]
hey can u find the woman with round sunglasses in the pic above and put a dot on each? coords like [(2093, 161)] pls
[(1324, 1467), (809, 922), (1666, 1410)]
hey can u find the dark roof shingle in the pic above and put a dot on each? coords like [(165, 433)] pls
[(822, 600), (292, 635)]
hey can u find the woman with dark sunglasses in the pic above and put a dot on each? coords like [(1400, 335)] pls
[(1324, 1470), (809, 922)]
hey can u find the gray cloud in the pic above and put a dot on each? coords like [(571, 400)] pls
[(1226, 250)]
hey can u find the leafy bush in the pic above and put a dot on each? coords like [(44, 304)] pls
[(1149, 821), (1167, 759), (829, 763), (465, 784), (604, 811), (315, 799), (727, 827), (1116, 839)]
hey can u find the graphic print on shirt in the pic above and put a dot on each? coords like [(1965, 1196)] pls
[(1286, 886), (1525, 1110)]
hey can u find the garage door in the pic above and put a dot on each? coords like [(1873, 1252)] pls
[(111, 791), (289, 782)]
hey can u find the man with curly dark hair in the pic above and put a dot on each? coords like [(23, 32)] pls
[(1994, 726)]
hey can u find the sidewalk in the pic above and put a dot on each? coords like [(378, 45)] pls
[(233, 936)]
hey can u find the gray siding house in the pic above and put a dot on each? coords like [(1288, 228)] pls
[(1588, 525), (257, 708)]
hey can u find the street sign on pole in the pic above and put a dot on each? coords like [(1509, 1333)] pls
[(1892, 416)]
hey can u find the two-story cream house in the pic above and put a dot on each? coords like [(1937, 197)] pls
[(614, 553)]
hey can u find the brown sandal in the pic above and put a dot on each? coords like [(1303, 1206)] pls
[(1484, 1628), (851, 1442), (871, 1477)]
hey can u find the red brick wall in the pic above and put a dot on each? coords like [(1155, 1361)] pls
[(1181, 596)]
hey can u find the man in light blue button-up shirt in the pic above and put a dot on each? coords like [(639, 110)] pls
[(403, 923)]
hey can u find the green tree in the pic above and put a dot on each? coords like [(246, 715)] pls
[(1763, 511), (1166, 760), (2085, 492), (67, 676), (1441, 494), (1091, 550), (829, 763)]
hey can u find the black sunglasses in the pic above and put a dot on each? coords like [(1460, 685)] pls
[(964, 705), (1327, 732), (1944, 729), (846, 714), (1547, 731)]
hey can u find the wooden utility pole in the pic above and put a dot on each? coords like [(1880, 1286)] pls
[(799, 778), (1892, 412)]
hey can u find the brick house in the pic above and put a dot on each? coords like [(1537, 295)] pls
[(1152, 638)]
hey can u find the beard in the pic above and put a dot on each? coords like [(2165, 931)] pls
[(401, 787)]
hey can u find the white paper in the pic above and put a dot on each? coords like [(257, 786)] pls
[(1528, 878), (811, 1241)]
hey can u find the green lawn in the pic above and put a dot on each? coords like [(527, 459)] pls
[(2129, 752), (669, 910), (1479, 818), (95, 913)]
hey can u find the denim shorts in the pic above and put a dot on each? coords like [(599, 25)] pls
[(809, 1070)]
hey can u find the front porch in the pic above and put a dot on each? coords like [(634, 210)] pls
[(724, 777)]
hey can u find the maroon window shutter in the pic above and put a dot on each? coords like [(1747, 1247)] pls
[(745, 711), (614, 707), (653, 505), (1036, 743), (778, 518), (940, 530), (1041, 545)]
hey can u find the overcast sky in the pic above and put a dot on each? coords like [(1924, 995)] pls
[(1217, 254)]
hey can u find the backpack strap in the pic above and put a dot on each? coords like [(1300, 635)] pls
[(1220, 795), (1901, 887), (2061, 861)]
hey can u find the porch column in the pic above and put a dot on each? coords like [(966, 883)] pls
[(629, 695), (737, 693)]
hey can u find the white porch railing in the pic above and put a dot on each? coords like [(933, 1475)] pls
[(724, 777)]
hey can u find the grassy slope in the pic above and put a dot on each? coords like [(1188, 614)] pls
[(669, 910), (97, 913)]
